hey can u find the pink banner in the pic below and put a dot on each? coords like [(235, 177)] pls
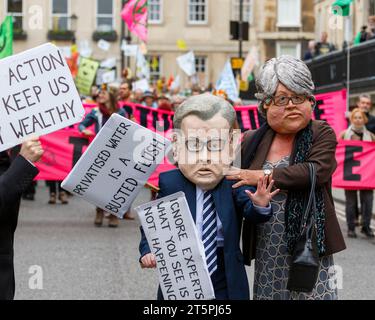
[(355, 169), (63, 148)]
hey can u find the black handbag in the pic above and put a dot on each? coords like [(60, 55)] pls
[(304, 268)]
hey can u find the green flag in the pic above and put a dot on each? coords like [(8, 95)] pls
[(6, 38), (342, 7)]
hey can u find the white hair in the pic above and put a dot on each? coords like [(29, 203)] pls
[(293, 73), (205, 107)]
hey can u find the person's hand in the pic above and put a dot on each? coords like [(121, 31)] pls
[(263, 194), (32, 150), (245, 177), (148, 261), (87, 133)]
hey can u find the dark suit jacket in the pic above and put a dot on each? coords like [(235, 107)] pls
[(232, 206), (296, 177), (14, 180)]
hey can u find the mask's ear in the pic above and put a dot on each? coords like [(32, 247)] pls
[(176, 139)]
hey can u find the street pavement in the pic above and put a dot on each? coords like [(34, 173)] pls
[(81, 262)]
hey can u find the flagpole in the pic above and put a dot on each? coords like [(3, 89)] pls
[(122, 39), (348, 36)]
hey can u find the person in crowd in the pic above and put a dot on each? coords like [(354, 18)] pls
[(164, 103), (138, 96), (149, 100), (283, 147), (358, 132), (365, 105), (56, 192), (125, 92), (107, 105), (323, 46), (310, 53), (15, 177), (177, 100), (215, 207), (196, 90)]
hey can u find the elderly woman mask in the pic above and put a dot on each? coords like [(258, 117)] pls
[(204, 139), (287, 102)]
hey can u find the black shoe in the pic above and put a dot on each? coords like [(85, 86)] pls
[(352, 234), (367, 232)]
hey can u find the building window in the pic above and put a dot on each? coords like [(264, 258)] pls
[(197, 11), (15, 9), (372, 7), (289, 13), (201, 68), (104, 15), (155, 63), (155, 11), (288, 48), (60, 15), (247, 10)]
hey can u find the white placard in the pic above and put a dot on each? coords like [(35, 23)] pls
[(38, 95), (109, 76), (108, 63), (130, 50), (173, 238), (142, 85), (116, 165), (104, 45), (187, 63)]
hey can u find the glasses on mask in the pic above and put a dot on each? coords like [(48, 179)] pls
[(283, 100), (213, 145)]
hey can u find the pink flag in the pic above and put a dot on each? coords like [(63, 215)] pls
[(135, 16)]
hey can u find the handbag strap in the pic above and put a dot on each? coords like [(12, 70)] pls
[(311, 204)]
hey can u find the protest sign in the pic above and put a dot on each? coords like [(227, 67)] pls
[(227, 82), (180, 258), (187, 63), (116, 165), (86, 75), (38, 95), (355, 169), (141, 85), (104, 45), (109, 76)]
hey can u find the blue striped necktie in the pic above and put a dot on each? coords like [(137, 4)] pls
[(209, 231)]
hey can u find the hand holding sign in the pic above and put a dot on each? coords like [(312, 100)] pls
[(32, 150), (38, 95)]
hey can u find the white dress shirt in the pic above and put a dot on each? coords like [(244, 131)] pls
[(220, 231)]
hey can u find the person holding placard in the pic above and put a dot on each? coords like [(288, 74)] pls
[(107, 105), (15, 178), (203, 149)]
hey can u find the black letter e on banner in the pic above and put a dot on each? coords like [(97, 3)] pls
[(350, 163)]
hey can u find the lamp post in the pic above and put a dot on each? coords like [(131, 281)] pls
[(124, 36), (240, 30), (74, 26)]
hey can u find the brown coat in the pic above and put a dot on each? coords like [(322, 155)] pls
[(296, 177)]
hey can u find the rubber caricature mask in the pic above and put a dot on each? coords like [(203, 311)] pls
[(203, 146)]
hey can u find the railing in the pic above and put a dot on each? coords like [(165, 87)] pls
[(330, 71)]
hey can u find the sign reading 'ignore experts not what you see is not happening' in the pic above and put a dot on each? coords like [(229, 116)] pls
[(38, 95)]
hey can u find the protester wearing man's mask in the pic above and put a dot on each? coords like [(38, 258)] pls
[(202, 147)]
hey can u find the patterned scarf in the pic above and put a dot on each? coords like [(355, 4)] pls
[(296, 199), (295, 204)]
